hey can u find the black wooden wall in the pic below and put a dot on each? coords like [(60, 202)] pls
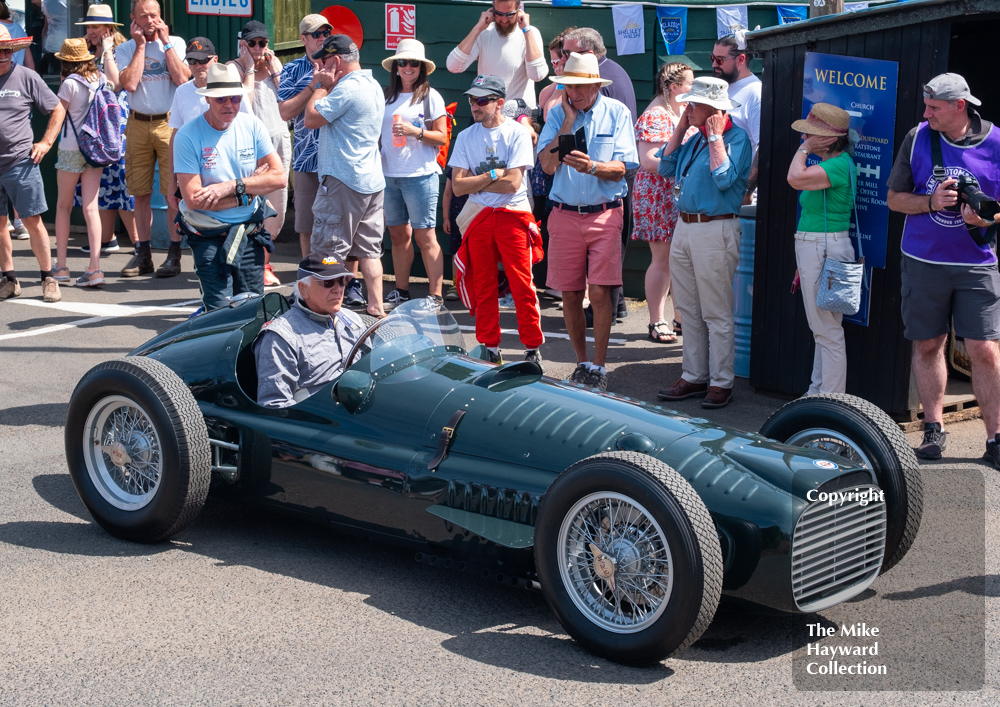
[(781, 343)]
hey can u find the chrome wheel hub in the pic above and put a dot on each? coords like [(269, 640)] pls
[(614, 562), (122, 452), (832, 442)]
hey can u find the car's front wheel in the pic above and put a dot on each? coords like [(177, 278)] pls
[(628, 557), (137, 449)]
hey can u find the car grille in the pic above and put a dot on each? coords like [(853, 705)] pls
[(836, 551)]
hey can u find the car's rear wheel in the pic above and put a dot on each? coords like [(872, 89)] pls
[(862, 434), (628, 557), (137, 449)]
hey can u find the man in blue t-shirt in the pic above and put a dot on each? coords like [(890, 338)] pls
[(223, 160)]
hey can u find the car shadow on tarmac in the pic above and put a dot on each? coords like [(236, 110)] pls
[(44, 414)]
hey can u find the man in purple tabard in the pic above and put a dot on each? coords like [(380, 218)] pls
[(948, 268)]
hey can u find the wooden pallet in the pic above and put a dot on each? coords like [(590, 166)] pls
[(956, 408)]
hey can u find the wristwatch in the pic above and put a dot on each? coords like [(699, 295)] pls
[(714, 138), (593, 167), (241, 192)]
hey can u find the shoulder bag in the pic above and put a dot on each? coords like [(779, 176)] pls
[(839, 287)]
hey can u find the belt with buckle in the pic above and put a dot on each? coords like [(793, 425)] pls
[(586, 209), (703, 218), (148, 118)]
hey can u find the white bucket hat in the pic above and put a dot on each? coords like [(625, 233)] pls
[(581, 69), (711, 91), (409, 49), (223, 80)]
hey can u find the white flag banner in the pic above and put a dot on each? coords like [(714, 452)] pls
[(731, 18), (855, 6), (630, 31)]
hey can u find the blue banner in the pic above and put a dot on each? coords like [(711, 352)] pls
[(673, 27), (791, 13), (866, 89)]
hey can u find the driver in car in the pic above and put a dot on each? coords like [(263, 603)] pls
[(306, 347)]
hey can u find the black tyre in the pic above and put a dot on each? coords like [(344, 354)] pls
[(138, 449), (628, 557), (859, 431)]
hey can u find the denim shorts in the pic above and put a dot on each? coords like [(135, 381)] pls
[(22, 185), (413, 200)]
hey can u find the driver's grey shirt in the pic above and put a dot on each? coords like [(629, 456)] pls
[(302, 351)]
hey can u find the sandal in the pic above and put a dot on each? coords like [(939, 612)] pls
[(659, 332), (61, 274), (677, 328)]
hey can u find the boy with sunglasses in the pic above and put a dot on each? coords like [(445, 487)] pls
[(296, 86), (223, 160)]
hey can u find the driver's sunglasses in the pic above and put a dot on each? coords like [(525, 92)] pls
[(199, 62), (497, 13), (319, 33), (412, 63), (222, 99), (481, 102), (252, 43), (330, 284), (719, 59), (6, 50)]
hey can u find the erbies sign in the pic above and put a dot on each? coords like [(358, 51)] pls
[(228, 8), (400, 23)]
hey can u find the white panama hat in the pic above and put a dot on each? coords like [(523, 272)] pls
[(409, 49), (581, 69), (223, 80)]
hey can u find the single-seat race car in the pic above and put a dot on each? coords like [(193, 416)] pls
[(633, 519)]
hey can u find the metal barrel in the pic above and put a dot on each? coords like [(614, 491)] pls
[(743, 290)]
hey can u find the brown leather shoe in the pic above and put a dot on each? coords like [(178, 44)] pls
[(682, 389), (717, 397), (140, 264), (172, 265)]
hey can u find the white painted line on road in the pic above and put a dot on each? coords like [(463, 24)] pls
[(546, 334), (103, 312)]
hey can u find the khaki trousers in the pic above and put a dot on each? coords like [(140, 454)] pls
[(829, 373), (703, 259)]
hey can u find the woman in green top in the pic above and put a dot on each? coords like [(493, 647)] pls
[(827, 200)]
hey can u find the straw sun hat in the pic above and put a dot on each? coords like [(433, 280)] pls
[(100, 15), (409, 49), (580, 69), (824, 120), (14, 45), (74, 49)]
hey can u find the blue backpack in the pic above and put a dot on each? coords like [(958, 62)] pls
[(100, 136)]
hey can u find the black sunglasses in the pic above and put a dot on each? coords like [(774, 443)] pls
[(319, 33), (504, 14), (329, 284), (222, 99), (412, 63), (484, 101), (256, 43), (192, 62)]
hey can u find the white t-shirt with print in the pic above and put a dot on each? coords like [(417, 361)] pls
[(156, 89), (415, 158), (78, 98), (506, 146), (189, 105), (746, 92)]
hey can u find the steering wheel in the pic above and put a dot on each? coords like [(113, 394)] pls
[(356, 349)]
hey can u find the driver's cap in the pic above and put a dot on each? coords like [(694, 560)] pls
[(323, 267)]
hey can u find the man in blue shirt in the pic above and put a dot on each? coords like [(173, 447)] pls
[(710, 178), (585, 224), (348, 107), (222, 160)]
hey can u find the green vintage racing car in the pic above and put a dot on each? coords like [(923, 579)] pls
[(633, 520)]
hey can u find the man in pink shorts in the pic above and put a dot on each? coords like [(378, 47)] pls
[(585, 224)]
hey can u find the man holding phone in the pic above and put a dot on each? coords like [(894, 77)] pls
[(507, 46), (585, 224)]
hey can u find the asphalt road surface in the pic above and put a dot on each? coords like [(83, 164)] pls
[(249, 607)]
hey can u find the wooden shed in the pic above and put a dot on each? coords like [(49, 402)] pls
[(925, 38)]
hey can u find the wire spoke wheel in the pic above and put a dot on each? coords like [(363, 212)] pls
[(616, 562), (833, 442), (123, 453)]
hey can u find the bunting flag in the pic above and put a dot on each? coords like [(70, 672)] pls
[(673, 27), (630, 34), (855, 6), (567, 3), (791, 13), (731, 18)]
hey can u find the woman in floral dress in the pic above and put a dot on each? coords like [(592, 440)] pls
[(653, 204)]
